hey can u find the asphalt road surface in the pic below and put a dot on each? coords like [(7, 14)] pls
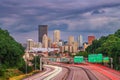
[(61, 71)]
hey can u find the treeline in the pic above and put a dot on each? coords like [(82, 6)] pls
[(11, 53), (108, 46)]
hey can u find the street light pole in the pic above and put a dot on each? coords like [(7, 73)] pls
[(40, 63), (26, 63), (26, 66), (35, 61), (111, 60)]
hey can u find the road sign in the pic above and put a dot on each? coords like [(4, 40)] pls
[(95, 58), (64, 59), (52, 59), (106, 59), (78, 59)]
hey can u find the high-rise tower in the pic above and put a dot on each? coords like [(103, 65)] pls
[(42, 29), (30, 44), (56, 36), (70, 40), (80, 41), (45, 41)]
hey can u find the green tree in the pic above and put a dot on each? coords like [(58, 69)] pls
[(36, 61), (117, 33), (83, 53), (11, 52), (108, 46)]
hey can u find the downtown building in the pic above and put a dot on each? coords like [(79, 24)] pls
[(91, 39), (71, 46), (32, 44), (45, 41), (42, 29), (70, 40), (80, 41), (56, 36)]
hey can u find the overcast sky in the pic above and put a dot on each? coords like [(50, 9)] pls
[(73, 17)]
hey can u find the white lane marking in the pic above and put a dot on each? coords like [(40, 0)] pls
[(53, 73)]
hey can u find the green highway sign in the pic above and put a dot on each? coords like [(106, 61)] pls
[(95, 58), (78, 59), (106, 59)]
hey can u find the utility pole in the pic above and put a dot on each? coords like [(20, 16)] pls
[(26, 66), (111, 61), (40, 63), (26, 63)]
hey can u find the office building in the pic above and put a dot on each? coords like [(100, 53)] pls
[(70, 40), (91, 39), (45, 41), (75, 48), (56, 35), (80, 41), (30, 44), (49, 42), (42, 29)]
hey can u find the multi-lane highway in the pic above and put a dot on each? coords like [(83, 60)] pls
[(60, 71), (49, 73)]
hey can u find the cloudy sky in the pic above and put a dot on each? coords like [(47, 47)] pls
[(73, 17)]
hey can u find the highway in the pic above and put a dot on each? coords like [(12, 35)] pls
[(61, 71), (50, 72), (88, 72)]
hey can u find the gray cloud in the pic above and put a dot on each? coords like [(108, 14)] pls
[(70, 16)]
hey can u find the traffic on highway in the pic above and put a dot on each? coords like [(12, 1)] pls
[(60, 69)]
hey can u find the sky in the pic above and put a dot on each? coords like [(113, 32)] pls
[(72, 17)]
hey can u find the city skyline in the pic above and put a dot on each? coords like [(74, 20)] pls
[(78, 17)]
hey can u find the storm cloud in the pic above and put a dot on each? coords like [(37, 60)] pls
[(73, 17)]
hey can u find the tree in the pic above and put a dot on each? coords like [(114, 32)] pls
[(117, 33), (108, 46), (11, 52), (85, 54)]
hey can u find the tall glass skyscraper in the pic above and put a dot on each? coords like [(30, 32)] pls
[(80, 41), (42, 29)]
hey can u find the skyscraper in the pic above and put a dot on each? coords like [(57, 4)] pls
[(30, 44), (80, 41), (56, 35), (70, 40), (42, 29), (45, 41), (91, 39)]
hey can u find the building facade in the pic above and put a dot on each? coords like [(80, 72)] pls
[(42, 29), (91, 39), (45, 41), (80, 41), (30, 44), (56, 36), (70, 40)]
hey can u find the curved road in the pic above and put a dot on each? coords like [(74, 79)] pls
[(85, 72), (76, 72), (49, 73)]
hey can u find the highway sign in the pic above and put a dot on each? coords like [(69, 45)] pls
[(95, 58), (78, 59), (106, 59)]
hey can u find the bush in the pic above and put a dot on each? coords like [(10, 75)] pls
[(23, 68)]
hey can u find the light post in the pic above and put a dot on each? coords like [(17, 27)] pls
[(111, 60), (26, 56), (40, 63), (26, 66), (35, 59)]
